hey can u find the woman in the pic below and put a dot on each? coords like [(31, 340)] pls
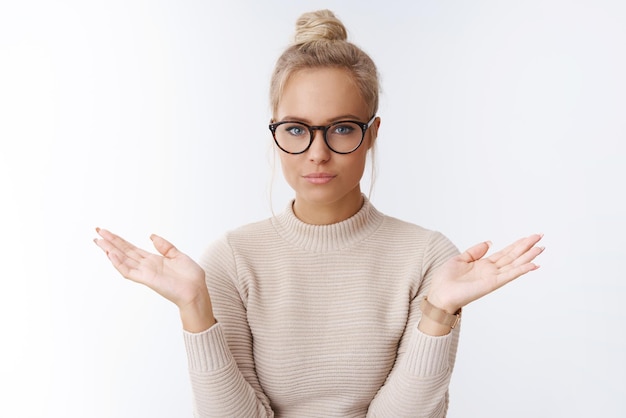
[(330, 308)]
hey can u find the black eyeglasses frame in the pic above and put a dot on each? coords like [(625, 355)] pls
[(324, 129)]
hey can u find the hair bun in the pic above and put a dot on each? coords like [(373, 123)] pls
[(319, 25)]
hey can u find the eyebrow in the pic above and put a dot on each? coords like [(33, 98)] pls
[(332, 120)]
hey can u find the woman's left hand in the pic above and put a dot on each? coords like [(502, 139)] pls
[(468, 276)]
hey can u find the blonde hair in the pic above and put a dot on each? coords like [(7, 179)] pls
[(321, 41)]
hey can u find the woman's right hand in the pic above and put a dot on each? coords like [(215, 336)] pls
[(172, 274)]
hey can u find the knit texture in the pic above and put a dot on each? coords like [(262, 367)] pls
[(321, 321)]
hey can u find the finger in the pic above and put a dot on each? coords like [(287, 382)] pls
[(513, 251), (164, 247), (525, 258), (515, 272), (122, 264), (123, 246), (120, 261), (476, 252), (125, 261)]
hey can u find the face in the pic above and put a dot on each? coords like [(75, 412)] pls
[(321, 178)]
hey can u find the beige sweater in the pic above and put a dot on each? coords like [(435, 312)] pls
[(321, 321)]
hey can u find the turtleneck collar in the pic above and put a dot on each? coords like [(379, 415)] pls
[(326, 238)]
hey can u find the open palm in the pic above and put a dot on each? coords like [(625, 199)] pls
[(468, 276), (172, 274)]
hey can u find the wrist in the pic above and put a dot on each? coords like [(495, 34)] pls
[(197, 316), (442, 304), (439, 316)]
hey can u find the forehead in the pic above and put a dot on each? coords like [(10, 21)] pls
[(321, 94)]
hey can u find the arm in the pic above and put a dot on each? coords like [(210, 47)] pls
[(220, 388), (221, 361), (417, 386)]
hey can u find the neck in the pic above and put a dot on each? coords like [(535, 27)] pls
[(316, 213)]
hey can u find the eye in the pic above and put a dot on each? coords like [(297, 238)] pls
[(343, 129), (294, 129)]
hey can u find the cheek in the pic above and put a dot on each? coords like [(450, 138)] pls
[(369, 140), (288, 166), (356, 165), (361, 157)]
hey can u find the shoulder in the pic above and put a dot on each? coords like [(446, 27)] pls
[(251, 233), (426, 241), (401, 227), (245, 235)]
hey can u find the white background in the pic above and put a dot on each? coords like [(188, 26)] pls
[(499, 119)]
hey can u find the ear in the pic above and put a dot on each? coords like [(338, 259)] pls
[(373, 132)]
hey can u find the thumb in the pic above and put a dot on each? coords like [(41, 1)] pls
[(476, 252), (163, 246)]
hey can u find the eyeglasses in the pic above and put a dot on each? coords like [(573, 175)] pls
[(342, 137)]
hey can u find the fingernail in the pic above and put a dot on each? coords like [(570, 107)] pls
[(97, 230)]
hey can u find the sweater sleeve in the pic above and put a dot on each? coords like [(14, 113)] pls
[(417, 386), (220, 359)]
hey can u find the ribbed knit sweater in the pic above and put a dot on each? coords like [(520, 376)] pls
[(321, 321)]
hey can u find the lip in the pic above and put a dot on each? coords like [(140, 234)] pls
[(319, 178)]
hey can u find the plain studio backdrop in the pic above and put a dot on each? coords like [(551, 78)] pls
[(499, 119)]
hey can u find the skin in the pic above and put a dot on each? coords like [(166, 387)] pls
[(319, 97)]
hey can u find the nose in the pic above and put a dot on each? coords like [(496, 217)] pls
[(319, 152)]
